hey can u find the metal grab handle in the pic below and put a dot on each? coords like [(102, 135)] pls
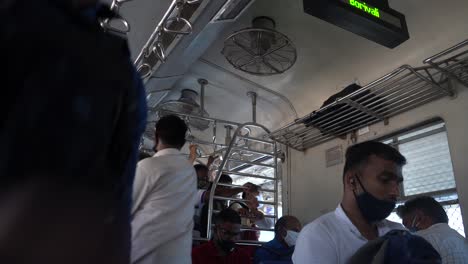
[(178, 32), (106, 24), (159, 50), (191, 2), (142, 68)]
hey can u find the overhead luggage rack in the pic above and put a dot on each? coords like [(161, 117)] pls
[(453, 62), (401, 90)]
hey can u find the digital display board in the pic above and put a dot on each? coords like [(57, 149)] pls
[(374, 21)]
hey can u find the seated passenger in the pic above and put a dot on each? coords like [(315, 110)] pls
[(371, 178), (164, 199), (248, 210), (281, 248), (251, 217), (425, 216), (222, 248)]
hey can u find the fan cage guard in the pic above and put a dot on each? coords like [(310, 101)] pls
[(245, 55)]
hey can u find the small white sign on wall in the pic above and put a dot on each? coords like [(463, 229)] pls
[(334, 156)]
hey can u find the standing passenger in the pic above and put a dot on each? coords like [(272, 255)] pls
[(72, 112), (164, 199), (371, 178)]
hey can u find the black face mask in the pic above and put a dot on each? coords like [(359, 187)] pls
[(226, 245), (373, 209)]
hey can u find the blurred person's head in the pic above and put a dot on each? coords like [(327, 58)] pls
[(170, 132), (227, 230), (421, 213), (253, 189), (226, 179), (287, 230), (252, 201)]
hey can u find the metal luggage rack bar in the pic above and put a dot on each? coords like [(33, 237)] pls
[(401, 90), (452, 61)]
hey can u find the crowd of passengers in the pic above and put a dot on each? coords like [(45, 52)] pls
[(72, 191), (356, 232)]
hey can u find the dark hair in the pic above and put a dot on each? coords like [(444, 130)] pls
[(358, 154), (224, 178), (281, 223), (171, 130), (227, 215), (199, 167), (428, 205), (255, 189)]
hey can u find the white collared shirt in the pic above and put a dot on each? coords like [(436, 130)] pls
[(333, 238), (164, 197), (452, 247)]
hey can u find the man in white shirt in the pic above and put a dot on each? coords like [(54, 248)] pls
[(164, 196), (425, 216), (371, 178)]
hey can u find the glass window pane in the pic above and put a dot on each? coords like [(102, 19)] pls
[(455, 218), (429, 165)]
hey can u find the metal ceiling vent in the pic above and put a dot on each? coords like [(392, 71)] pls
[(260, 50), (187, 104)]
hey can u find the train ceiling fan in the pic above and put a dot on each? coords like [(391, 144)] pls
[(260, 50)]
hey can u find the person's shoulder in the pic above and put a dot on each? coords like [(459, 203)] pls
[(148, 164), (323, 222), (241, 253), (392, 225), (272, 244), (202, 249)]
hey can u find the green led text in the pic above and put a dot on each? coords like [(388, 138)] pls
[(364, 7)]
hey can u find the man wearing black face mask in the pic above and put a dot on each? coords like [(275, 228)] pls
[(222, 248), (371, 178)]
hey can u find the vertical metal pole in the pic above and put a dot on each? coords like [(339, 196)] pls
[(202, 83), (228, 137), (276, 181), (253, 96)]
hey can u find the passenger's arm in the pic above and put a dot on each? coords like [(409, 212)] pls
[(193, 153), (140, 187), (265, 222), (315, 245), (224, 193)]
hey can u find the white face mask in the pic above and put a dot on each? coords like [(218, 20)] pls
[(291, 238)]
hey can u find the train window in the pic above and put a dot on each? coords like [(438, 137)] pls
[(429, 170)]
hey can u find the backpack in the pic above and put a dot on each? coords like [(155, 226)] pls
[(397, 247), (333, 120)]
